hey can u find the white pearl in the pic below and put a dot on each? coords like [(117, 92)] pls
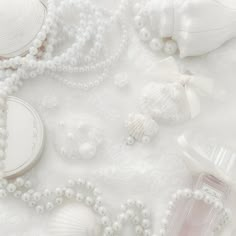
[(170, 47), (49, 206), (59, 201), (144, 34), (20, 182), (130, 140), (79, 197), (138, 21), (156, 44), (39, 209), (69, 193), (25, 197), (59, 192), (3, 193), (37, 196)]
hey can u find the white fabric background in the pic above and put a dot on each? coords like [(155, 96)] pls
[(147, 172)]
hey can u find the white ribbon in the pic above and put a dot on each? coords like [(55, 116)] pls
[(194, 84)]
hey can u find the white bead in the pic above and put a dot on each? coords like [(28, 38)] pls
[(3, 193), (20, 182), (144, 34), (49, 206), (130, 140), (17, 194), (39, 209), (59, 192), (25, 197), (59, 200), (69, 193), (139, 230), (47, 193), (28, 184), (89, 201), (79, 197), (156, 44), (138, 21), (11, 188), (170, 47), (37, 196), (105, 221)]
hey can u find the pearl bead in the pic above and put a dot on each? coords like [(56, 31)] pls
[(156, 44), (79, 197), (39, 209), (28, 184), (11, 188), (138, 21), (59, 192), (69, 193), (170, 47), (49, 206), (144, 34), (130, 140), (37, 196), (3, 193), (59, 201), (25, 197)]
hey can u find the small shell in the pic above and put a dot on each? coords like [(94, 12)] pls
[(140, 127), (165, 102), (74, 219)]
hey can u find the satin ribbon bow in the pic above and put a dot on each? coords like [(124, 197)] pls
[(194, 85)]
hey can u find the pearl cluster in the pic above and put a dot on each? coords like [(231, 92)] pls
[(156, 43), (197, 195), (133, 211), (84, 192), (80, 56), (77, 138)]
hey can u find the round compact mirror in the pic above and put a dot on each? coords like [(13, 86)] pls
[(25, 138), (20, 22)]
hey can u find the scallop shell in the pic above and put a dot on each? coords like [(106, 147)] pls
[(165, 102), (139, 126), (74, 220), (198, 26), (20, 21)]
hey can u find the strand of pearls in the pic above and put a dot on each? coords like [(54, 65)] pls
[(197, 195), (133, 212), (155, 42), (84, 192), (85, 54)]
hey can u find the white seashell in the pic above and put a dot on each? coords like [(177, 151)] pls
[(198, 26), (20, 21), (74, 220), (165, 102), (141, 128)]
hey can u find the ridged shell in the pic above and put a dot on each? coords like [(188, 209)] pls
[(165, 102), (20, 21), (139, 125), (74, 220), (198, 26)]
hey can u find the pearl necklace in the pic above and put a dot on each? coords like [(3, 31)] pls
[(92, 27), (133, 211)]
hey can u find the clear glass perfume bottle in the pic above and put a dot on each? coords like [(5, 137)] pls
[(214, 170)]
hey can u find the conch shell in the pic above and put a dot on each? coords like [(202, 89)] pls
[(197, 26)]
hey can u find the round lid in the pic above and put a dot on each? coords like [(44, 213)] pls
[(214, 159), (25, 138), (20, 21)]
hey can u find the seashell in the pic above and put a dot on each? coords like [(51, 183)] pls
[(20, 21), (165, 102), (74, 220), (197, 26), (141, 127)]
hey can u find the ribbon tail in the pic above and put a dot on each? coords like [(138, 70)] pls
[(204, 84), (194, 102)]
